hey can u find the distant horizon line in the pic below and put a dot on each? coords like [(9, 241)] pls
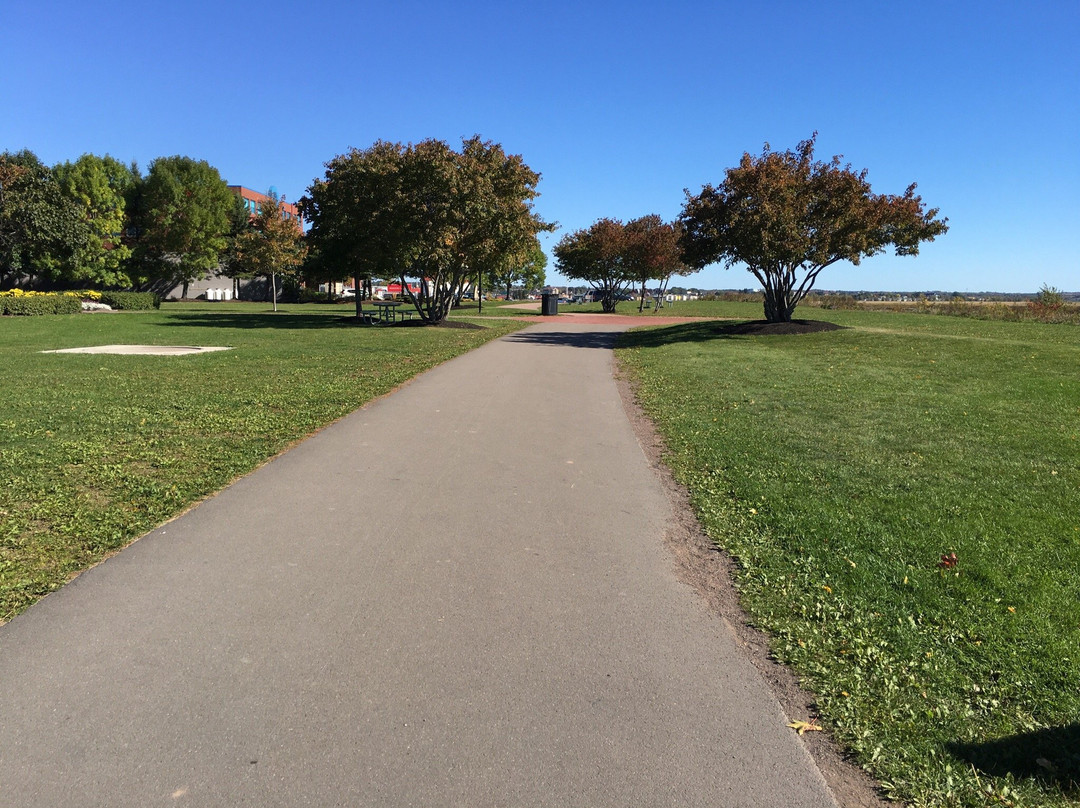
[(926, 292)]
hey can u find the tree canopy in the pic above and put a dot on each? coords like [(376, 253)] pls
[(100, 186), (611, 256), (41, 229), (787, 216), (653, 253), (525, 269), (426, 212), (273, 245), (186, 213), (597, 255), (351, 212)]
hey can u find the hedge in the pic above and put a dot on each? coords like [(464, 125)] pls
[(30, 305), (131, 301)]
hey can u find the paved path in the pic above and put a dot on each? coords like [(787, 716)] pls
[(458, 596)]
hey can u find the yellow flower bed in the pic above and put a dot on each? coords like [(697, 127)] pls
[(86, 294)]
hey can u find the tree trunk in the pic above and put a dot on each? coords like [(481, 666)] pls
[(641, 299), (273, 288), (661, 292), (183, 290), (777, 309)]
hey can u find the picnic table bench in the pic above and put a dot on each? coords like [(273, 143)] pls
[(387, 311)]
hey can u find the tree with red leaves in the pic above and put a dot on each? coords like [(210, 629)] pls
[(787, 216)]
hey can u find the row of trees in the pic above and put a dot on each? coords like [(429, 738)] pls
[(783, 215), (612, 256), (448, 219), (100, 223)]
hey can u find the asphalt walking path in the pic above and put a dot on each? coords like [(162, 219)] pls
[(456, 596)]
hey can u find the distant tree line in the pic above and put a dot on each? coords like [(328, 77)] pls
[(98, 223)]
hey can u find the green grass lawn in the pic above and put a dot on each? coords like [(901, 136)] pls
[(95, 449), (686, 308), (838, 468), (492, 308)]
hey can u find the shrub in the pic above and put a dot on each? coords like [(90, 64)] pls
[(1049, 307), (1050, 297), (735, 297), (131, 301), (312, 296), (32, 304), (847, 302)]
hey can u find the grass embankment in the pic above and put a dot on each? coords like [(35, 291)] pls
[(96, 449), (839, 468)]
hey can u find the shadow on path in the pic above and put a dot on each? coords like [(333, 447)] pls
[(574, 339)]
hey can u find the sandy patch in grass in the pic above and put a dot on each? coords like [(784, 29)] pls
[(143, 350)]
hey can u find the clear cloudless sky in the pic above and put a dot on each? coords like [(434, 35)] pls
[(619, 105)]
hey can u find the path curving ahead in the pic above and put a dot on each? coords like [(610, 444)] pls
[(457, 596)]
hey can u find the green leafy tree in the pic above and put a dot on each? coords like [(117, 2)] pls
[(424, 212), (100, 186), (41, 229), (499, 228), (520, 269), (186, 214), (598, 256), (272, 246), (787, 216), (354, 213)]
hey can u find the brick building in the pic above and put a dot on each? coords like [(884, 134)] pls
[(253, 198), (213, 286)]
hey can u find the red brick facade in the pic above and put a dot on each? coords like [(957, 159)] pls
[(253, 198)]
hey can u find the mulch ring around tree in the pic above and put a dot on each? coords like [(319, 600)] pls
[(763, 328)]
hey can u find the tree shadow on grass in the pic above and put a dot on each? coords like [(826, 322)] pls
[(575, 339), (282, 320), (1051, 756), (712, 329)]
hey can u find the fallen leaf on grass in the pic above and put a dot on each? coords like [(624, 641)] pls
[(803, 727)]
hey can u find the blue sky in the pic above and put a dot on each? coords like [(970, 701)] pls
[(620, 106)]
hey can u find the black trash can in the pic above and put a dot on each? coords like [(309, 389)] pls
[(549, 304)]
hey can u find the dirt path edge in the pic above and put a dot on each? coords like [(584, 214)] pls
[(709, 570)]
